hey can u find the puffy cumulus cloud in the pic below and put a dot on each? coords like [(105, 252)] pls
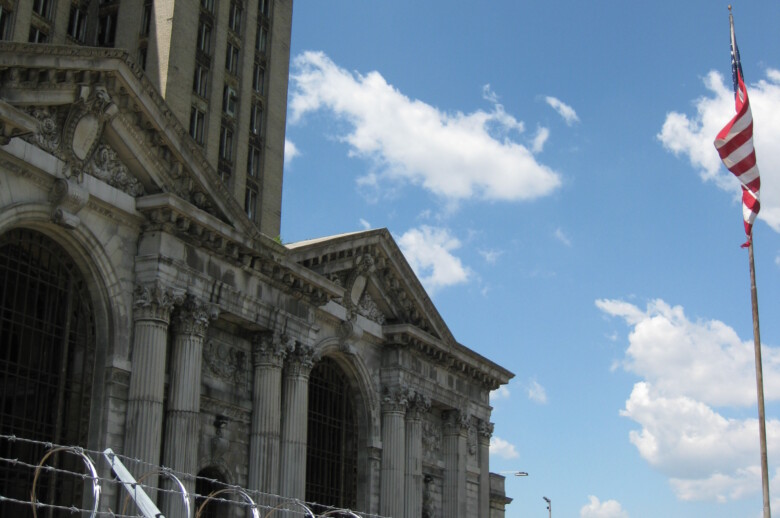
[(694, 373), (290, 151), (429, 252), (501, 448), (688, 439), (596, 509), (563, 109), (693, 135), (705, 360), (454, 155)]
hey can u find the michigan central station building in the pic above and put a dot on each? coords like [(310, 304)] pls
[(148, 306)]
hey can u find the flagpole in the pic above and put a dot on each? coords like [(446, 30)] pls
[(759, 383)]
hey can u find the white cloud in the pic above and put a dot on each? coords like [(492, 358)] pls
[(454, 155), (491, 256), (563, 109), (694, 373), (365, 224), (536, 392), (429, 252), (596, 509), (542, 134), (290, 151), (693, 137), (501, 392), (501, 448), (705, 360), (561, 236)]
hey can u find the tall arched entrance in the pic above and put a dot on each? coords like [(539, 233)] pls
[(47, 361), (331, 458)]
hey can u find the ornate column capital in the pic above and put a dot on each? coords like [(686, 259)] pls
[(269, 348), (456, 422), (194, 315), (419, 405), (485, 431), (154, 302), (395, 400), (300, 358)]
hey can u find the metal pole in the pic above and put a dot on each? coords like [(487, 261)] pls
[(549, 506), (759, 384)]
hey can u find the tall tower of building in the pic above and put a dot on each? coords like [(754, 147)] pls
[(221, 66)]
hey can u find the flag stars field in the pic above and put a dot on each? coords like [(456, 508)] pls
[(549, 172)]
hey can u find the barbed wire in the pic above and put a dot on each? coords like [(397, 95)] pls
[(259, 499)]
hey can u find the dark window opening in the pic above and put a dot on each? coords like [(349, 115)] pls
[(331, 456), (47, 357)]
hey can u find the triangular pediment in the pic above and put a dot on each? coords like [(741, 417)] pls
[(94, 110), (378, 282)]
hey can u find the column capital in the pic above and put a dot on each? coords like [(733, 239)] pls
[(456, 422), (300, 358), (419, 405), (154, 301), (395, 400), (269, 348), (194, 315), (485, 430)]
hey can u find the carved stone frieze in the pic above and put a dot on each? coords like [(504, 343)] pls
[(226, 363), (370, 310), (457, 422), (106, 166), (431, 439), (49, 132)]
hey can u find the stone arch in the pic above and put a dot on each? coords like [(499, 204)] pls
[(110, 301), (366, 404), (211, 478)]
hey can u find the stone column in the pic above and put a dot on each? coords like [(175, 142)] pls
[(485, 431), (295, 415), (268, 355), (413, 482), (152, 308), (455, 451), (182, 426), (391, 486)]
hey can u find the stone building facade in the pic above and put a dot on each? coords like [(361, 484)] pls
[(146, 306)]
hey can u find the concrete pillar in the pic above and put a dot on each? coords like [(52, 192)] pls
[(295, 414), (391, 487), (455, 451), (413, 481), (152, 308), (485, 431), (182, 425), (268, 355)]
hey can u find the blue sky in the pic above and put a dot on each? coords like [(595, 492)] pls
[(548, 170)]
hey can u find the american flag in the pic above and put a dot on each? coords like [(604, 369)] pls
[(735, 143)]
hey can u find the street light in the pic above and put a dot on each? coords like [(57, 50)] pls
[(549, 505), (515, 473)]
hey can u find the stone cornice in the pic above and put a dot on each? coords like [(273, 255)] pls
[(170, 213), (456, 357)]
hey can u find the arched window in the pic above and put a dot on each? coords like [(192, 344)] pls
[(331, 458), (47, 357)]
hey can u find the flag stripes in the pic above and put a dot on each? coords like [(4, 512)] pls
[(735, 144)]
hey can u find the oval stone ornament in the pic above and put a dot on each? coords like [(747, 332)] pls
[(84, 135)]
